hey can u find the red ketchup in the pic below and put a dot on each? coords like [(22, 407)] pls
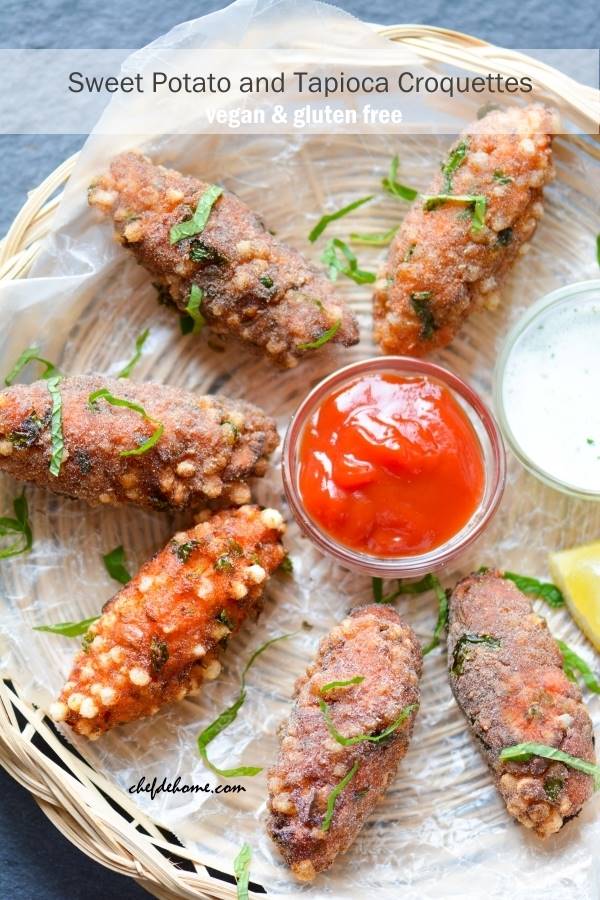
[(391, 466)]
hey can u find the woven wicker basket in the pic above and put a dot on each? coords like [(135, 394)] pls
[(96, 816)]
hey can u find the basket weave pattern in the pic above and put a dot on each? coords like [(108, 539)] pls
[(96, 816)]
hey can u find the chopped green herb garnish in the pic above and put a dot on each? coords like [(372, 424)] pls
[(266, 281), (27, 356), (184, 551), (27, 433), (392, 186), (545, 590), (553, 787), (114, 563), (590, 441), (228, 716), (598, 249), (104, 394), (348, 265), (57, 437), (455, 159), (139, 346), (323, 339), (337, 790), (69, 629), (427, 583), (224, 619), (574, 664), (196, 224), (201, 252), (332, 685), (442, 619), (223, 564), (360, 738), (20, 526), (461, 649), (501, 178), (241, 869), (324, 221), (374, 238), (193, 311), (524, 752), (286, 565), (420, 302), (159, 654), (477, 203)]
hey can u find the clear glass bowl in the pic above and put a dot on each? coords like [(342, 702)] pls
[(492, 450), (586, 291)]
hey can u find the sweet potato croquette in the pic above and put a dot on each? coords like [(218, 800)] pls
[(160, 637), (372, 644), (209, 447), (451, 256), (252, 287), (507, 676)]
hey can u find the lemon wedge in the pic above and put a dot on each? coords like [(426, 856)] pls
[(577, 573)]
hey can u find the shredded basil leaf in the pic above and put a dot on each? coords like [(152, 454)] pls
[(347, 267), (332, 685), (241, 868), (360, 738), (427, 583), (58, 441), (337, 790), (374, 239), (455, 159), (461, 649), (392, 186), (420, 302), (524, 752), (477, 203), (545, 590), (139, 346), (114, 563), (228, 716), (196, 224), (27, 356), (501, 178), (193, 310), (325, 220), (201, 252), (104, 394), (442, 619), (326, 336), (18, 526), (184, 551), (598, 249), (68, 629), (553, 787), (573, 664)]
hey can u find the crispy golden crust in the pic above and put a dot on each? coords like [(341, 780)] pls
[(437, 253), (159, 638), (375, 643), (515, 690), (209, 447), (292, 306)]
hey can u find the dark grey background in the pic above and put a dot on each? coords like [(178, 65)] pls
[(35, 860)]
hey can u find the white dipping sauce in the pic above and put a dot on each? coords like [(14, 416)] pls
[(551, 391)]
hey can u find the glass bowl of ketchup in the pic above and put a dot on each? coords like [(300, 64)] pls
[(393, 466)]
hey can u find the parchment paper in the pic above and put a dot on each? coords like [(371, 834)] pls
[(442, 831)]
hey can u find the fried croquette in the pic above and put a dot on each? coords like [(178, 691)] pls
[(208, 448), (248, 284), (507, 676), (160, 637), (364, 685), (458, 241)]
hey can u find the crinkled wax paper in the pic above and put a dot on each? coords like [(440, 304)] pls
[(441, 831)]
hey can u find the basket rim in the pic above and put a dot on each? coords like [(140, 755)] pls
[(74, 798)]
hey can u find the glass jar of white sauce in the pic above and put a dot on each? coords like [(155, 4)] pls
[(547, 389)]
